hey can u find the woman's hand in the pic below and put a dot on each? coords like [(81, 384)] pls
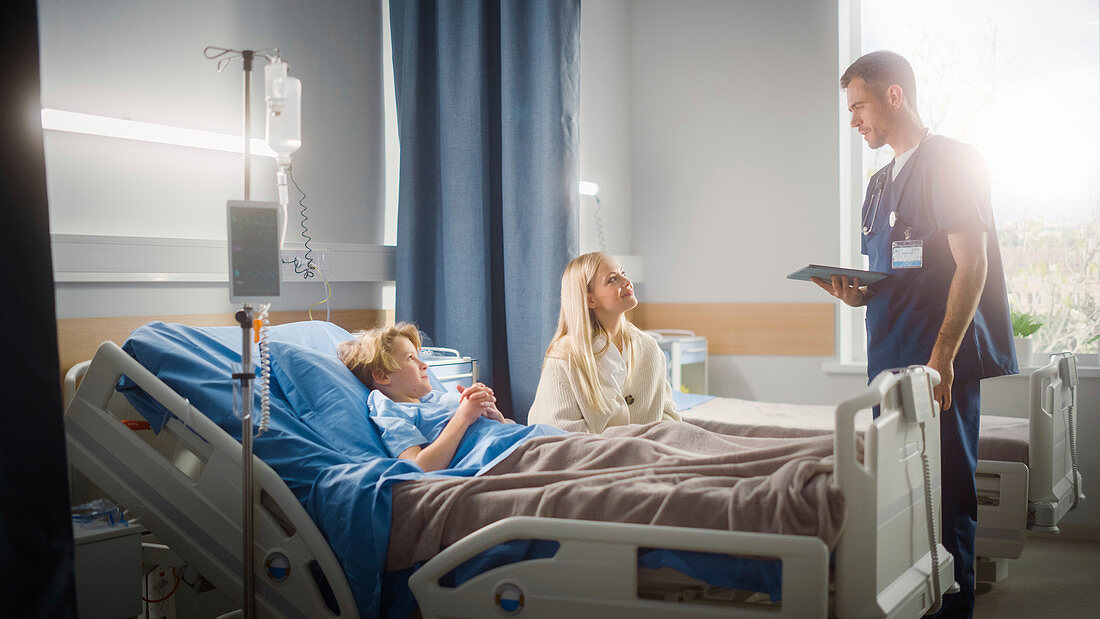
[(494, 413)]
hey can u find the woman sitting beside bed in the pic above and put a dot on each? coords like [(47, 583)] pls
[(600, 370)]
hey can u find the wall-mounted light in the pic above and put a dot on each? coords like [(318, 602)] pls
[(589, 188), (89, 124)]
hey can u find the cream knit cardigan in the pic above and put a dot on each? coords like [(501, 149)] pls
[(559, 401)]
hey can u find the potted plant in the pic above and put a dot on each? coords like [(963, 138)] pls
[(1096, 339), (1024, 324)]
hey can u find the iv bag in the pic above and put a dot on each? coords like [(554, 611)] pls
[(284, 112)]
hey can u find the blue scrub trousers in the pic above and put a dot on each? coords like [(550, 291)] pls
[(959, 509)]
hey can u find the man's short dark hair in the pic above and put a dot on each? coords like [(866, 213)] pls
[(880, 70)]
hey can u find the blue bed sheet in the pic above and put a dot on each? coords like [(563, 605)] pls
[(320, 439), (323, 445), (684, 401)]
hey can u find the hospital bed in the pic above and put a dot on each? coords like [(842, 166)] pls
[(1027, 475), (183, 485)]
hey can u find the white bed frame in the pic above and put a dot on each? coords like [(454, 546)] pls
[(1039, 494), (184, 486)]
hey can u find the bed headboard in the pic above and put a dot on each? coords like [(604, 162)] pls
[(78, 338), (784, 329)]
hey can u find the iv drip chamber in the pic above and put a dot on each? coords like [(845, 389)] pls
[(275, 74)]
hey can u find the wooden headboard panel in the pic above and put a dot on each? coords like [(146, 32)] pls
[(731, 328), (78, 338), (780, 329)]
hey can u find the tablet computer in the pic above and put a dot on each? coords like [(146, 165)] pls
[(825, 273)]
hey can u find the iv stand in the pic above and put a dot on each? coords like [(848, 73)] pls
[(244, 317), (246, 375)]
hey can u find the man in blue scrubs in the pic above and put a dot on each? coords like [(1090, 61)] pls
[(928, 222)]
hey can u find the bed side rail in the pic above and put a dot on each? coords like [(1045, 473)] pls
[(191, 500), (1002, 522), (594, 572), (1055, 484), (72, 378), (884, 561)]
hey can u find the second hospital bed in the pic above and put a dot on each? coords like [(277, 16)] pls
[(183, 484), (1027, 475)]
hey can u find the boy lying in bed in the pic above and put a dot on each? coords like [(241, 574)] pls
[(415, 423)]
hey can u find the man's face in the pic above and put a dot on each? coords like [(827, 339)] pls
[(871, 115)]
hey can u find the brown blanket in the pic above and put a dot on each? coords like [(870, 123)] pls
[(664, 473), (999, 438)]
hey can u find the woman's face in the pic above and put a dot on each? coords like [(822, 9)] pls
[(410, 382), (611, 293)]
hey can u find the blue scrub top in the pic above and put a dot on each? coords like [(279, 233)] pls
[(943, 187), (486, 442)]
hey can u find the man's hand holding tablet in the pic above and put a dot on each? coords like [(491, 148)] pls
[(848, 285)]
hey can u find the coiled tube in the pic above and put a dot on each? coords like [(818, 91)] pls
[(1071, 418), (265, 372), (933, 545)]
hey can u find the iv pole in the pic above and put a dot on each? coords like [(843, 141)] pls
[(244, 317), (248, 327), (246, 375)]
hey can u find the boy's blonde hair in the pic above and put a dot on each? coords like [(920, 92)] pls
[(372, 350)]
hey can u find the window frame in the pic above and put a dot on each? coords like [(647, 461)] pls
[(850, 330)]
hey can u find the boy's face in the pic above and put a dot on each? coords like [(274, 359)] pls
[(410, 381)]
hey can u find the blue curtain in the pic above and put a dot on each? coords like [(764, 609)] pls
[(487, 107)]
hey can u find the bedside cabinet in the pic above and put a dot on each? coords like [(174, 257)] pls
[(451, 368), (686, 359), (107, 568)]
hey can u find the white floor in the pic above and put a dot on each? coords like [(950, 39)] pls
[(1055, 577)]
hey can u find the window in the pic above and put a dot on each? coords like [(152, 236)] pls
[(1021, 82)]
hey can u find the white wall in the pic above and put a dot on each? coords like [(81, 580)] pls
[(735, 167), (734, 147), (605, 124), (144, 61)]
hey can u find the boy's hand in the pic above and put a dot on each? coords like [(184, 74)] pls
[(475, 400), (474, 388), (478, 392)]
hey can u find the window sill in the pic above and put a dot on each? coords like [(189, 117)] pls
[(838, 368)]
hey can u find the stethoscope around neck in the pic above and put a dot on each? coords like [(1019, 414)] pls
[(880, 188), (876, 198)]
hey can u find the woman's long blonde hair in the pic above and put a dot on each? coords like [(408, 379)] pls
[(578, 327)]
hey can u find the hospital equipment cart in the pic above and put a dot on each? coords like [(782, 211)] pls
[(450, 367), (107, 567), (686, 359)]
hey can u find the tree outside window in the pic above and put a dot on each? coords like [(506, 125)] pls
[(1021, 82)]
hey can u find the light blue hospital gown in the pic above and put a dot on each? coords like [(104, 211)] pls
[(403, 425)]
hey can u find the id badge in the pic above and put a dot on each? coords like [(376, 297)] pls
[(907, 255)]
